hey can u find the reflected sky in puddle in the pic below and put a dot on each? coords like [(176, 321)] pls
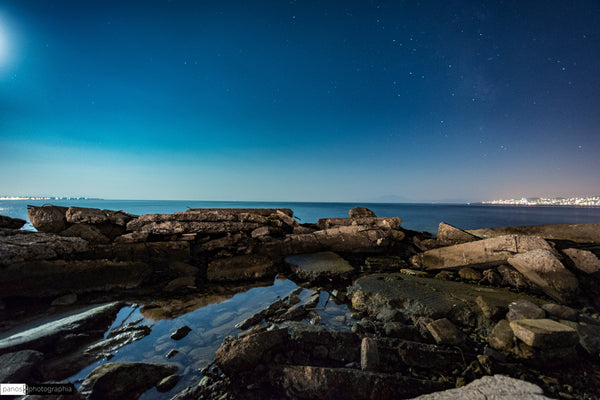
[(210, 324)]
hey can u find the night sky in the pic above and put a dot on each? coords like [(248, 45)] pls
[(300, 100)]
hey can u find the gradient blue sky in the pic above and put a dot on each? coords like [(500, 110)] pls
[(300, 100)]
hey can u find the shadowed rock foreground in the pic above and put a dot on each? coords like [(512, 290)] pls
[(490, 313)]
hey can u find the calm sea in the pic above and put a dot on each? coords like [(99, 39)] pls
[(419, 217)]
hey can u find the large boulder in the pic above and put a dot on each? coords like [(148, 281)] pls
[(123, 380), (482, 253), (581, 233), (361, 212), (542, 268), (48, 218), (11, 223)]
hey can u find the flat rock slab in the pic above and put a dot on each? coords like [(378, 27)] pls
[(434, 298), (580, 233), (40, 337), (546, 271), (482, 253), (316, 265), (544, 333), (496, 387)]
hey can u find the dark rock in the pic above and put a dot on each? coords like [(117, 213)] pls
[(524, 309), (86, 232), (240, 268), (491, 308), (168, 383), (57, 278), (123, 380), (482, 253), (180, 333), (387, 263), (65, 300), (502, 337), (583, 260), (369, 355), (445, 332), (48, 218), (117, 339), (361, 212), (318, 265), (246, 352), (180, 284), (544, 333), (581, 233), (513, 278), (94, 216), (314, 382), (45, 336), (172, 353), (589, 337), (492, 277), (24, 246), (449, 235), (133, 237), (470, 274), (560, 312), (542, 268), (424, 297), (490, 387), (20, 366), (11, 223)]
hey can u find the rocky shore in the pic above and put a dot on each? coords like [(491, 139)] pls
[(488, 313)]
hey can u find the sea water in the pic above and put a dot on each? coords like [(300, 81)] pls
[(418, 217)]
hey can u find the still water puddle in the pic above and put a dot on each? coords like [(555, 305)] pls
[(210, 324)]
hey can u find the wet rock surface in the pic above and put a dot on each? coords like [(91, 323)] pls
[(382, 312)]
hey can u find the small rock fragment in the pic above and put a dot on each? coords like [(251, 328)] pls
[(181, 333), (445, 332)]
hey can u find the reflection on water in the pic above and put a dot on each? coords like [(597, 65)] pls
[(211, 318)]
